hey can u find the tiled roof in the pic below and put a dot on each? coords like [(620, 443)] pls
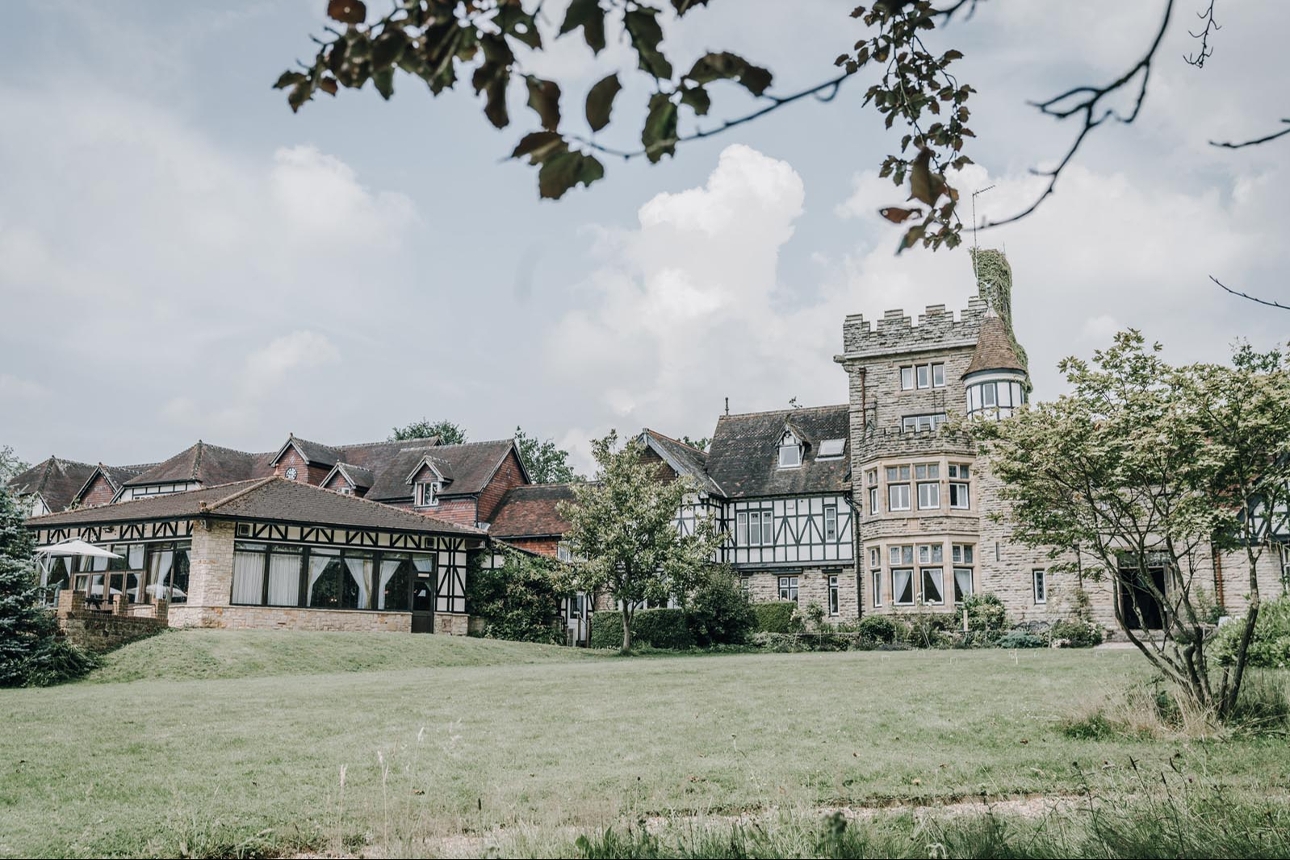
[(743, 458), (684, 459), (530, 511), (994, 350), (315, 452), (470, 466), (264, 499), (56, 481), (207, 464), (356, 475), (118, 475)]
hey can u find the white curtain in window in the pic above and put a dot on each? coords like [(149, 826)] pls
[(963, 582), (423, 563), (361, 570), (317, 564), (388, 569), (902, 586), (248, 577), (933, 585), (158, 574), (134, 556), (284, 579)]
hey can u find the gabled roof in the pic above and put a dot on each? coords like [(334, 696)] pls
[(207, 464), (275, 499), (743, 458), (56, 481), (116, 476), (471, 465), (994, 349), (684, 459), (358, 477), (314, 453), (438, 466), (531, 511)]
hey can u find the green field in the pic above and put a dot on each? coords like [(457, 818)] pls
[(454, 745)]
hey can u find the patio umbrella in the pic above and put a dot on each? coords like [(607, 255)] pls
[(75, 547), (68, 548)]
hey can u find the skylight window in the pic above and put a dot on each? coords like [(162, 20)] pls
[(831, 448)]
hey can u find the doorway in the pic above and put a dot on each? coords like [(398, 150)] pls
[(423, 602)]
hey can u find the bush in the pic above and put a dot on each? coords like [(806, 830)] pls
[(519, 601), (776, 617), (1270, 647), (987, 619), (1076, 633), (1020, 638), (931, 630), (657, 628), (720, 611), (881, 629)]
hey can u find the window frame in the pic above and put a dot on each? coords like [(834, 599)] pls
[(923, 573), (424, 487), (933, 488), (788, 588), (895, 594), (831, 523), (1039, 585), (891, 504), (875, 583), (834, 601)]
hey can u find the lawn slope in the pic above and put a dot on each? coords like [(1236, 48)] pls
[(186, 655)]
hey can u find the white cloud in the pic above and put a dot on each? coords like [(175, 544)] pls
[(277, 363)]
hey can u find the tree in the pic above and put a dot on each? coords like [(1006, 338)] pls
[(699, 444), (10, 465), (31, 654), (435, 40), (1144, 465), (448, 432), (624, 526), (546, 463)]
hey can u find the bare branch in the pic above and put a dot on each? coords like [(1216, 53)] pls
[(1251, 298), (1256, 141), (1088, 102), (1206, 50)]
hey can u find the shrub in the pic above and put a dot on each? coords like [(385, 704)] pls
[(776, 617), (520, 600), (1270, 647), (1020, 638), (657, 628), (930, 630), (720, 612), (987, 619), (1076, 633), (881, 629)]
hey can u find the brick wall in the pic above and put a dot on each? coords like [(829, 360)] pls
[(100, 492), (460, 511), (509, 474), (542, 545), (305, 473)]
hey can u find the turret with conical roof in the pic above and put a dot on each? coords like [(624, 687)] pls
[(995, 379)]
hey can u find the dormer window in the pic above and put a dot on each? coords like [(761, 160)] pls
[(831, 449), (427, 495), (790, 452)]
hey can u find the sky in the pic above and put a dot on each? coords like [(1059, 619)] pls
[(183, 258)]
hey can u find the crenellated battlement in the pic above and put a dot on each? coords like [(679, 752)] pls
[(896, 333)]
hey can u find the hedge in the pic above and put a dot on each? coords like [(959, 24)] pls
[(776, 617), (658, 628)]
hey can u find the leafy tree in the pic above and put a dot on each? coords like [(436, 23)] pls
[(10, 465), (1145, 465), (700, 443), (625, 527), (910, 84), (31, 654), (546, 463), (520, 600), (448, 432)]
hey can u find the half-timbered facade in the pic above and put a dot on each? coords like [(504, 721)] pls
[(270, 553)]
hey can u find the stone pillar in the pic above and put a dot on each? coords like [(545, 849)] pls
[(210, 574)]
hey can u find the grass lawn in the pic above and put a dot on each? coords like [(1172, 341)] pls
[(298, 740)]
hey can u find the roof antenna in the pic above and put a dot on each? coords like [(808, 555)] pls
[(727, 407), (975, 247)]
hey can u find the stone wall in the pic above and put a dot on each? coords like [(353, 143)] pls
[(104, 630), (812, 587), (293, 618)]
